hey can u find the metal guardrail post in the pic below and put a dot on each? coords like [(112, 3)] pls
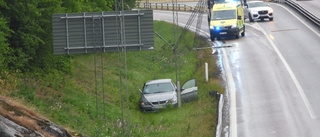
[(156, 6)]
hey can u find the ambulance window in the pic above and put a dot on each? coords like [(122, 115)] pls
[(223, 14)]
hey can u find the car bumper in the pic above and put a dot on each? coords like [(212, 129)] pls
[(261, 16), (156, 108), (224, 32)]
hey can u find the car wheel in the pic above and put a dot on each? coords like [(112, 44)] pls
[(237, 34), (270, 19), (212, 37), (250, 18), (243, 33)]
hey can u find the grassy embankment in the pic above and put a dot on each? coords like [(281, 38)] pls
[(69, 100)]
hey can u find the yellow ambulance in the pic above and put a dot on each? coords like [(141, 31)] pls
[(226, 19)]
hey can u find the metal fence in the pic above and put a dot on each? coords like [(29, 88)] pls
[(165, 6), (76, 33)]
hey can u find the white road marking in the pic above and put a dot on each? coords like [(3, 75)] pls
[(294, 78), (314, 31), (233, 103)]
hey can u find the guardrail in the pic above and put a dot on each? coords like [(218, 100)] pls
[(165, 6), (304, 12), (219, 121)]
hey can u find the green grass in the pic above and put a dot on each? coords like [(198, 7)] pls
[(70, 99)]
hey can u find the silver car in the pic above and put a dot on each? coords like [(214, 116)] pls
[(161, 93), (257, 10)]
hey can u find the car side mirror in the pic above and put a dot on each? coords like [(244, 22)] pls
[(239, 17), (268, 5)]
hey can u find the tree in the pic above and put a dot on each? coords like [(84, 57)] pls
[(5, 50), (26, 30)]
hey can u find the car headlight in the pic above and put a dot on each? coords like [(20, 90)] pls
[(217, 27), (270, 10), (234, 26), (145, 103), (174, 100)]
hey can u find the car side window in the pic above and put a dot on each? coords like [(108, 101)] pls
[(190, 84)]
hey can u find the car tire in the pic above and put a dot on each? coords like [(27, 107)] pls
[(212, 37), (250, 18), (237, 34), (270, 19), (244, 30)]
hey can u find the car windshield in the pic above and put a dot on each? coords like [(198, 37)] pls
[(223, 15), (256, 4), (158, 87)]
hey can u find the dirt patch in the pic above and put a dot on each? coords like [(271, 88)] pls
[(19, 120)]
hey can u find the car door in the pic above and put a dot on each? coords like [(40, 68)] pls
[(189, 91)]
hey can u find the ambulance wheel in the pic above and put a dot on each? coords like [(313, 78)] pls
[(250, 18), (212, 37), (237, 34), (244, 30)]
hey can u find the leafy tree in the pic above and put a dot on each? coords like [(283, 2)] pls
[(26, 31), (5, 50), (31, 23)]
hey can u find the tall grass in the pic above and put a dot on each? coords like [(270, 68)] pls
[(70, 99)]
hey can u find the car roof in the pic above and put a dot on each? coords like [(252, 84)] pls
[(158, 81)]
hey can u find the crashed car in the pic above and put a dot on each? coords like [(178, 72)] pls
[(161, 93), (255, 10)]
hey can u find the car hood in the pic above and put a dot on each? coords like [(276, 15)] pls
[(155, 97), (259, 8)]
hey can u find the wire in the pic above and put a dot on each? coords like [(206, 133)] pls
[(119, 38)]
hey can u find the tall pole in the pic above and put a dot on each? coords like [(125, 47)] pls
[(175, 50)]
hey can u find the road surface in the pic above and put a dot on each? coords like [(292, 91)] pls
[(273, 74)]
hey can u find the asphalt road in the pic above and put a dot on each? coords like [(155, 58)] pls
[(312, 6), (273, 76), (276, 76)]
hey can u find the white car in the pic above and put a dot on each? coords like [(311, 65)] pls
[(161, 93), (255, 10)]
